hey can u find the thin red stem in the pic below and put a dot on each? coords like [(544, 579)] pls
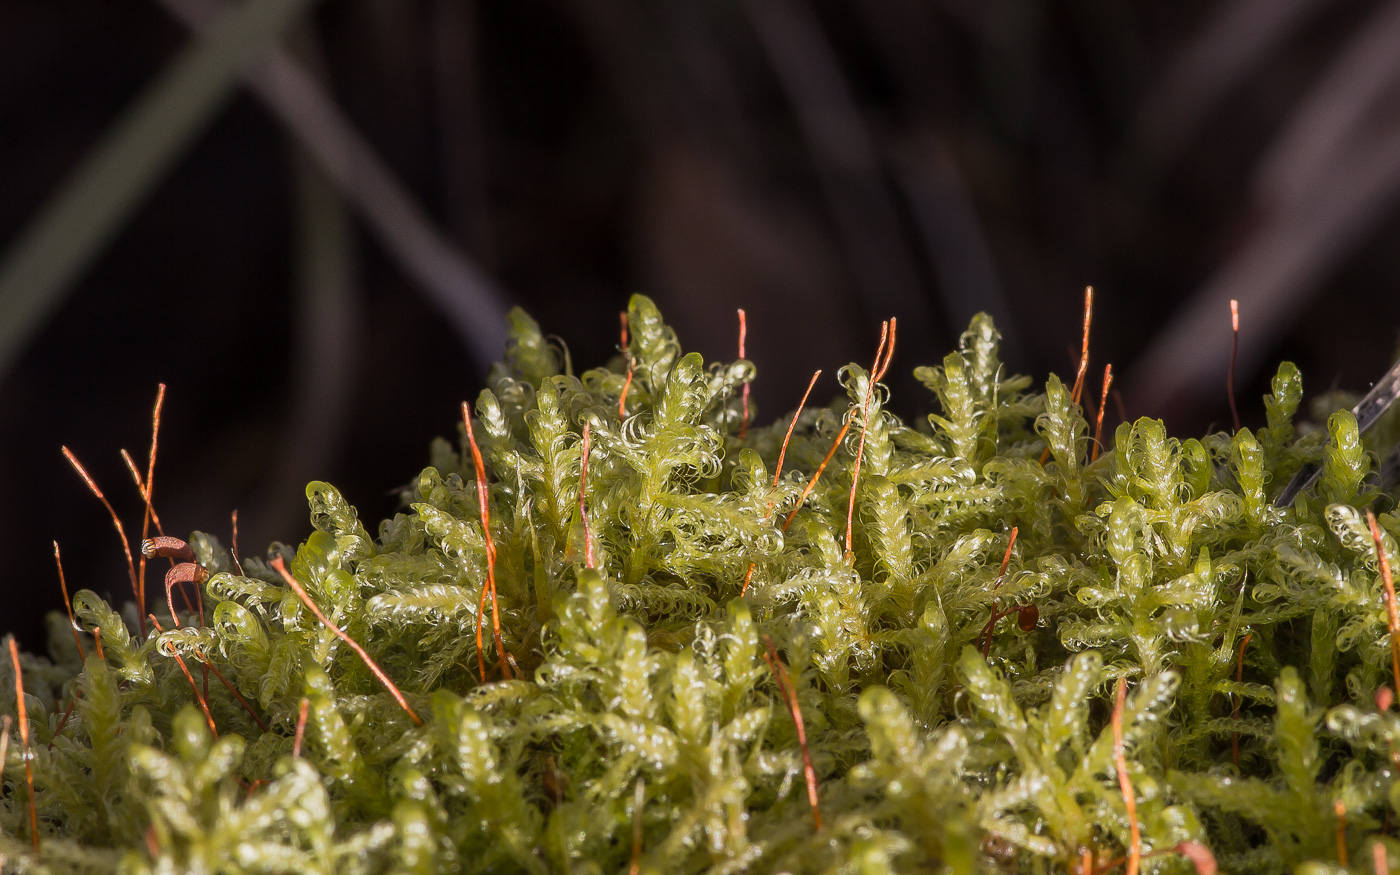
[(237, 562), (201, 698), (480, 625), (147, 487), (1098, 419), (639, 796), (121, 532), (1006, 557), (1083, 371), (301, 726), (1234, 353), (627, 384), (483, 498), (1235, 714), (151, 459), (64, 721), (789, 694), (743, 334), (1079, 378), (152, 842), (6, 724), (67, 603), (584, 448), (876, 371), (1341, 809), (1120, 763), (373, 666), (782, 453), (811, 484), (24, 740), (1390, 606), (1199, 855), (141, 488), (997, 613), (778, 471), (204, 659)]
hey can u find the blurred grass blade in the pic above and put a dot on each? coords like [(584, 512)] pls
[(96, 200), (1277, 270), (847, 159), (1231, 47), (321, 391), (1332, 116), (466, 296)]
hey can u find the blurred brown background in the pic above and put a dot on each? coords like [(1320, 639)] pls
[(315, 257)]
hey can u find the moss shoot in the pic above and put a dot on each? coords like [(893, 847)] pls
[(1166, 672)]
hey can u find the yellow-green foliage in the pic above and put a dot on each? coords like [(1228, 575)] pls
[(644, 679)]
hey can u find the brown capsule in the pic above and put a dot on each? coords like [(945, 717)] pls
[(185, 572), (167, 548), (1027, 617)]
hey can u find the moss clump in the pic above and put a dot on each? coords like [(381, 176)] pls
[(640, 723)]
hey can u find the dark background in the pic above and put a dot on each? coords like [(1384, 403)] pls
[(823, 164)]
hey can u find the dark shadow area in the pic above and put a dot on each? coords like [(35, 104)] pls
[(822, 165)]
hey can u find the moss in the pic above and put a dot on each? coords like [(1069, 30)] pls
[(635, 721)]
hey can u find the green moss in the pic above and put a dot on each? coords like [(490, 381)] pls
[(644, 678)]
